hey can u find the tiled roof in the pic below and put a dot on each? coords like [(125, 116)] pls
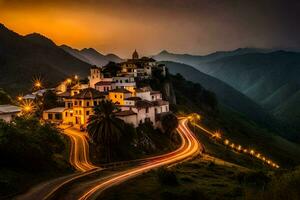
[(55, 110), (125, 113), (143, 104), (65, 94), (120, 90), (4, 109), (160, 102), (133, 98), (104, 83), (155, 92), (88, 93)]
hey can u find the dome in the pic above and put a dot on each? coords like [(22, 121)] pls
[(135, 55)]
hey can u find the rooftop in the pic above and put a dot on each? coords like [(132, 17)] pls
[(133, 98), (55, 110), (125, 113), (120, 90), (104, 83), (89, 93), (155, 92), (7, 108), (160, 102)]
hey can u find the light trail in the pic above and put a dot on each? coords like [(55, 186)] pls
[(190, 146), (237, 147), (79, 152)]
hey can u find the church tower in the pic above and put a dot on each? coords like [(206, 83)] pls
[(95, 76), (135, 55)]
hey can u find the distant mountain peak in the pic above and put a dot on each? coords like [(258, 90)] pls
[(40, 39), (164, 52)]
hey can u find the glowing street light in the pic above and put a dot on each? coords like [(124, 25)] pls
[(226, 142), (239, 147), (245, 151), (27, 107), (69, 81), (20, 98), (251, 152), (76, 77)]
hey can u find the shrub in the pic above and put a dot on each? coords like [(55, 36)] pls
[(167, 177)]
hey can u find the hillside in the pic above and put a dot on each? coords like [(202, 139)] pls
[(270, 79), (91, 56), (24, 57), (230, 97)]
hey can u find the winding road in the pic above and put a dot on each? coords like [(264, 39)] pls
[(79, 151), (91, 180)]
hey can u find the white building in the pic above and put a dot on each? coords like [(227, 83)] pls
[(137, 111), (9, 112)]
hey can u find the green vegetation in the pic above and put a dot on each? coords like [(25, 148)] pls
[(283, 186), (30, 151), (105, 129), (197, 179), (4, 97)]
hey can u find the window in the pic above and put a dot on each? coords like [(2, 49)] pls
[(88, 103), (155, 110), (69, 105), (95, 103), (66, 114), (79, 112), (50, 116), (147, 110), (152, 97), (126, 81), (80, 103), (75, 103), (87, 112), (57, 116), (121, 81), (115, 96), (121, 96), (71, 114)]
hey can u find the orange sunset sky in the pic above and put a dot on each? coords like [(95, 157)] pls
[(197, 27)]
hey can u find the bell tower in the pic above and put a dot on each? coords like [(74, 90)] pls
[(95, 76), (135, 55)]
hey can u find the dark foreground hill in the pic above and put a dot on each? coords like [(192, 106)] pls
[(24, 57)]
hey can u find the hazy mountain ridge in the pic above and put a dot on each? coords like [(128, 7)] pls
[(270, 79), (92, 56), (24, 57), (195, 60)]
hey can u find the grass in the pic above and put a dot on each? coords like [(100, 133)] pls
[(195, 179)]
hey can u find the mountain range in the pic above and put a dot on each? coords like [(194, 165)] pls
[(24, 58), (91, 56), (227, 74), (269, 78)]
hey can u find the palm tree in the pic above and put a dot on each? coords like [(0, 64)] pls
[(104, 128)]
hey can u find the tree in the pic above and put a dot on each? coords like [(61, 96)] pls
[(169, 123), (105, 129), (111, 69), (50, 100), (4, 97)]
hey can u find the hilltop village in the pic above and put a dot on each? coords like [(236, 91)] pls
[(117, 84)]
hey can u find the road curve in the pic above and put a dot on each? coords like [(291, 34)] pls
[(190, 146), (79, 152)]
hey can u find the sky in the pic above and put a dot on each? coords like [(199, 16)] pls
[(150, 26)]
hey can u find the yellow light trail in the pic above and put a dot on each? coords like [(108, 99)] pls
[(79, 152), (190, 146), (237, 147)]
